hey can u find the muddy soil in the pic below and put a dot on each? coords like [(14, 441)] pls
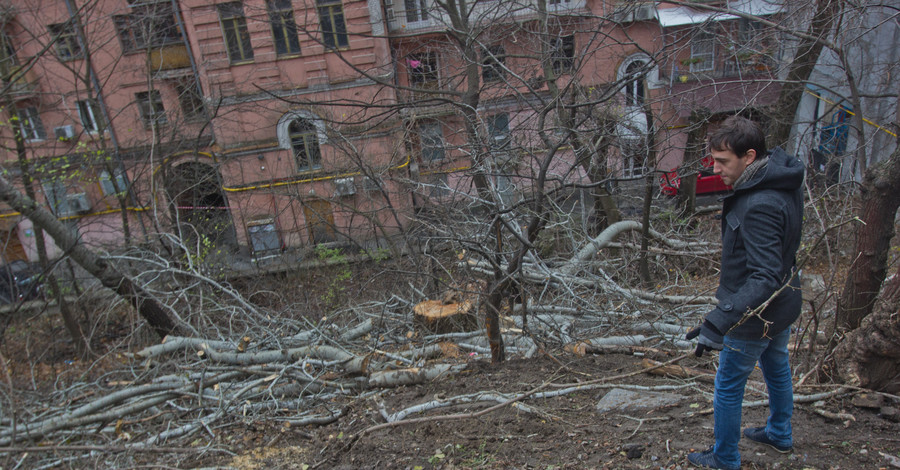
[(563, 432)]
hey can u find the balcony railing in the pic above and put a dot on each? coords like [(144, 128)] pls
[(169, 58), (24, 83)]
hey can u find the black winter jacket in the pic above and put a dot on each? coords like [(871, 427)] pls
[(761, 227)]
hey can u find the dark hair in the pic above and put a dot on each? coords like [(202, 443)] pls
[(739, 135)]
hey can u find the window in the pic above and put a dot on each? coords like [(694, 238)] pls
[(431, 137), (492, 63), (498, 128), (634, 87), (151, 107), (703, 47), (30, 124), (152, 26), (56, 194), (106, 183), (284, 28), (415, 10), (331, 19), (634, 156), (234, 26), (305, 144), (68, 46), (91, 116), (8, 61), (563, 54), (423, 69), (190, 98)]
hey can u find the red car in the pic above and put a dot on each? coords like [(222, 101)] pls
[(707, 182)]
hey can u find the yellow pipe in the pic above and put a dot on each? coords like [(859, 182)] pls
[(866, 120), (235, 189)]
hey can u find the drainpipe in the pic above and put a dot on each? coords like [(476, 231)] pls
[(95, 83)]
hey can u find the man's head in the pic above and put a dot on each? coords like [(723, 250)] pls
[(736, 144)]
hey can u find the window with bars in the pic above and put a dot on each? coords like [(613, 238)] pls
[(305, 144), (148, 26), (30, 124), (91, 115), (423, 69), (234, 27), (68, 46), (191, 100), (151, 108), (284, 27), (492, 63), (56, 194), (703, 47), (563, 54), (331, 20)]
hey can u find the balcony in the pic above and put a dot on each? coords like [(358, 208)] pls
[(169, 58), (23, 83)]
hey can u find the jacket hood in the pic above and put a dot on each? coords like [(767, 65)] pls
[(782, 172)]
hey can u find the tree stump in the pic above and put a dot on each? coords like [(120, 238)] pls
[(437, 317)]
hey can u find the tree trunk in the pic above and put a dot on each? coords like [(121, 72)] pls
[(802, 65), (686, 199), (869, 356), (98, 267), (880, 201)]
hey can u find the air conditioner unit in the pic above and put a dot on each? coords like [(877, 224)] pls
[(78, 203), (344, 187), (64, 132)]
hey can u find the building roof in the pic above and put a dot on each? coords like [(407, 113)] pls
[(682, 15)]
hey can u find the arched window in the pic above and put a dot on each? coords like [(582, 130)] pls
[(635, 84), (305, 144)]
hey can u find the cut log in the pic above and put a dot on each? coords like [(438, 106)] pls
[(436, 317)]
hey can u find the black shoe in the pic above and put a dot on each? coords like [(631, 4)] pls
[(759, 435), (707, 459)]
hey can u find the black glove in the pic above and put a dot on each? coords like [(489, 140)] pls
[(710, 338)]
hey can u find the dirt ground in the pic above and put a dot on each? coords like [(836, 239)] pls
[(563, 432)]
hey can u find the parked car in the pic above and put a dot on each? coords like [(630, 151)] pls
[(707, 181), (19, 281)]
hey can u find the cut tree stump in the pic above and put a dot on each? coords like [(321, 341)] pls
[(437, 317)]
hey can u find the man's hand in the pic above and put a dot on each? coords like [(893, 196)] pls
[(709, 338)]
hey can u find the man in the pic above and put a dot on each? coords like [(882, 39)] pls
[(759, 290)]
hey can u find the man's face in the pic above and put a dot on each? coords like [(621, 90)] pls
[(729, 166)]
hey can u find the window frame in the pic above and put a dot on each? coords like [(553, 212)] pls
[(148, 26), (106, 182), (190, 99), (285, 33), (499, 134), (493, 63), (68, 44), (635, 87), (562, 54), (418, 12), (30, 124), (151, 108), (56, 194), (311, 147), (333, 24), (703, 47), (429, 75), (92, 119), (431, 141), (235, 33)]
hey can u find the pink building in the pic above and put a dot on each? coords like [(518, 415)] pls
[(270, 124)]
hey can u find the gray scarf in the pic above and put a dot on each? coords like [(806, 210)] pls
[(751, 170)]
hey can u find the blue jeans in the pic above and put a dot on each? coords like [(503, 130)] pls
[(736, 361)]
